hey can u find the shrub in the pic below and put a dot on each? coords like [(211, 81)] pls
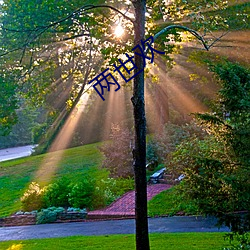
[(152, 155), (123, 185), (109, 189), (73, 209), (118, 153), (170, 202), (243, 242), (33, 197), (38, 131), (48, 215), (103, 194), (166, 141), (57, 193), (81, 194), (216, 168)]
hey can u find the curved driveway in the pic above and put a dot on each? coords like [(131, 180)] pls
[(17, 152), (156, 225)]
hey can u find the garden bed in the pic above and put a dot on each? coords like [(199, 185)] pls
[(30, 219)]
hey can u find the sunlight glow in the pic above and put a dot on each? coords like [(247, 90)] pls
[(52, 159), (119, 31), (16, 247)]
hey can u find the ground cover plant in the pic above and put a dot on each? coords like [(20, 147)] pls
[(171, 241)]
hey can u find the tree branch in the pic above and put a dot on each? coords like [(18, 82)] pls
[(74, 13), (193, 32), (42, 29), (112, 8)]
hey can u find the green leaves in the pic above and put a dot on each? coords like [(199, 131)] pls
[(217, 168), (8, 105)]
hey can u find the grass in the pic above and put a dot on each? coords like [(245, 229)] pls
[(170, 241), (16, 175), (169, 203)]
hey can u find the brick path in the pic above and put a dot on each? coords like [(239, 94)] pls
[(124, 207)]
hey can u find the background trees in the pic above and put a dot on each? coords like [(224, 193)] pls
[(118, 155), (217, 168), (8, 105), (51, 47)]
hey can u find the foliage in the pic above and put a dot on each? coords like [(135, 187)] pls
[(16, 175), (92, 192), (171, 202), (236, 16), (204, 174), (118, 154), (108, 190), (8, 105), (73, 209), (81, 194), (22, 132), (58, 42), (103, 193), (243, 242), (57, 193), (48, 215), (65, 193), (61, 193), (32, 199), (152, 158), (38, 131), (166, 141), (234, 106), (216, 168)]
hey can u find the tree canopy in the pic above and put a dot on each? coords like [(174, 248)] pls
[(216, 168), (50, 43)]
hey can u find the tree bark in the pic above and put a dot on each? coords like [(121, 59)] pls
[(139, 151)]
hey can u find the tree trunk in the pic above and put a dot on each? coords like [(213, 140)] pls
[(139, 151)]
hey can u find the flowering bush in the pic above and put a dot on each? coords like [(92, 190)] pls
[(33, 197)]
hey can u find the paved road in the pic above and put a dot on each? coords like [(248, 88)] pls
[(156, 225), (14, 153)]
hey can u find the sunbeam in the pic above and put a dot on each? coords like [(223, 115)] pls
[(51, 161)]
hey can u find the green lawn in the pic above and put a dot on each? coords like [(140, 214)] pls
[(16, 175), (169, 202), (171, 241)]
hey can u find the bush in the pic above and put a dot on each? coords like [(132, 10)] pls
[(109, 189), (103, 194), (123, 185), (166, 141), (216, 168), (243, 242), (81, 194), (170, 202), (57, 193), (118, 153), (38, 131), (33, 197), (152, 155), (78, 210), (48, 215)]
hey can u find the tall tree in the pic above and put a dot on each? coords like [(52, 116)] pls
[(139, 151), (217, 167)]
